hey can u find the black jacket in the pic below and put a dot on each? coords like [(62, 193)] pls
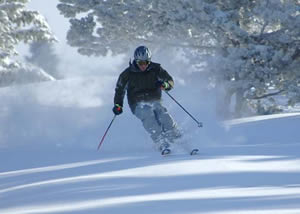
[(141, 85)]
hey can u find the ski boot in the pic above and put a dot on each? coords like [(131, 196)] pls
[(165, 148)]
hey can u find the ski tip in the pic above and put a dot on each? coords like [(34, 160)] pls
[(165, 151), (194, 151)]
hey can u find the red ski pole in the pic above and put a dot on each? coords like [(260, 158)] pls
[(106, 132)]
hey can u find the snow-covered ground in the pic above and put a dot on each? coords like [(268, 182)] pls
[(49, 134)]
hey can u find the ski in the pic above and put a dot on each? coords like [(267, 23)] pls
[(194, 151), (190, 149), (165, 151), (165, 148)]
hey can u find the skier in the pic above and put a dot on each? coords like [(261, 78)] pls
[(144, 81)]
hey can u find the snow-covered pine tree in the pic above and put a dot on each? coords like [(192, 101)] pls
[(44, 56), (264, 62), (17, 24), (250, 47)]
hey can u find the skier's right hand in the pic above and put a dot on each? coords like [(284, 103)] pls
[(117, 109)]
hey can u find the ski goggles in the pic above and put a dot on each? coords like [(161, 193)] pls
[(142, 62)]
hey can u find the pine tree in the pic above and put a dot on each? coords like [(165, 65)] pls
[(17, 24)]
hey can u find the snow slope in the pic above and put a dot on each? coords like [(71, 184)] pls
[(49, 164)]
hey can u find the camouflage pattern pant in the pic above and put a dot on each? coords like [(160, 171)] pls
[(157, 121)]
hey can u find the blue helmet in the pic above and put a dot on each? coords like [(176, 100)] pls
[(142, 53)]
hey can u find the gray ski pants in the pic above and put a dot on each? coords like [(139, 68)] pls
[(157, 121)]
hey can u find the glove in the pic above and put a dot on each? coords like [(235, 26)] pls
[(117, 109), (164, 85)]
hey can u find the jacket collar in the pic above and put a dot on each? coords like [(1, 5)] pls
[(134, 67)]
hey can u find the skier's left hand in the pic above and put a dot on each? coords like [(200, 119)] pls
[(165, 86)]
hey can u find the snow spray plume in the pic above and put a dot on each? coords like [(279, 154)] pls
[(198, 123)]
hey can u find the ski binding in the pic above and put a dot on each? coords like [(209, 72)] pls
[(166, 151), (194, 152)]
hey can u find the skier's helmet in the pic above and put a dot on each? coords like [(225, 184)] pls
[(142, 53)]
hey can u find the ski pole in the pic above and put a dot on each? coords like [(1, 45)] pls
[(106, 132), (198, 123)]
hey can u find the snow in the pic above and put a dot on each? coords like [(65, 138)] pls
[(264, 117), (49, 134)]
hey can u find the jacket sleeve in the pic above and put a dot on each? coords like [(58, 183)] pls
[(164, 76), (121, 88)]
